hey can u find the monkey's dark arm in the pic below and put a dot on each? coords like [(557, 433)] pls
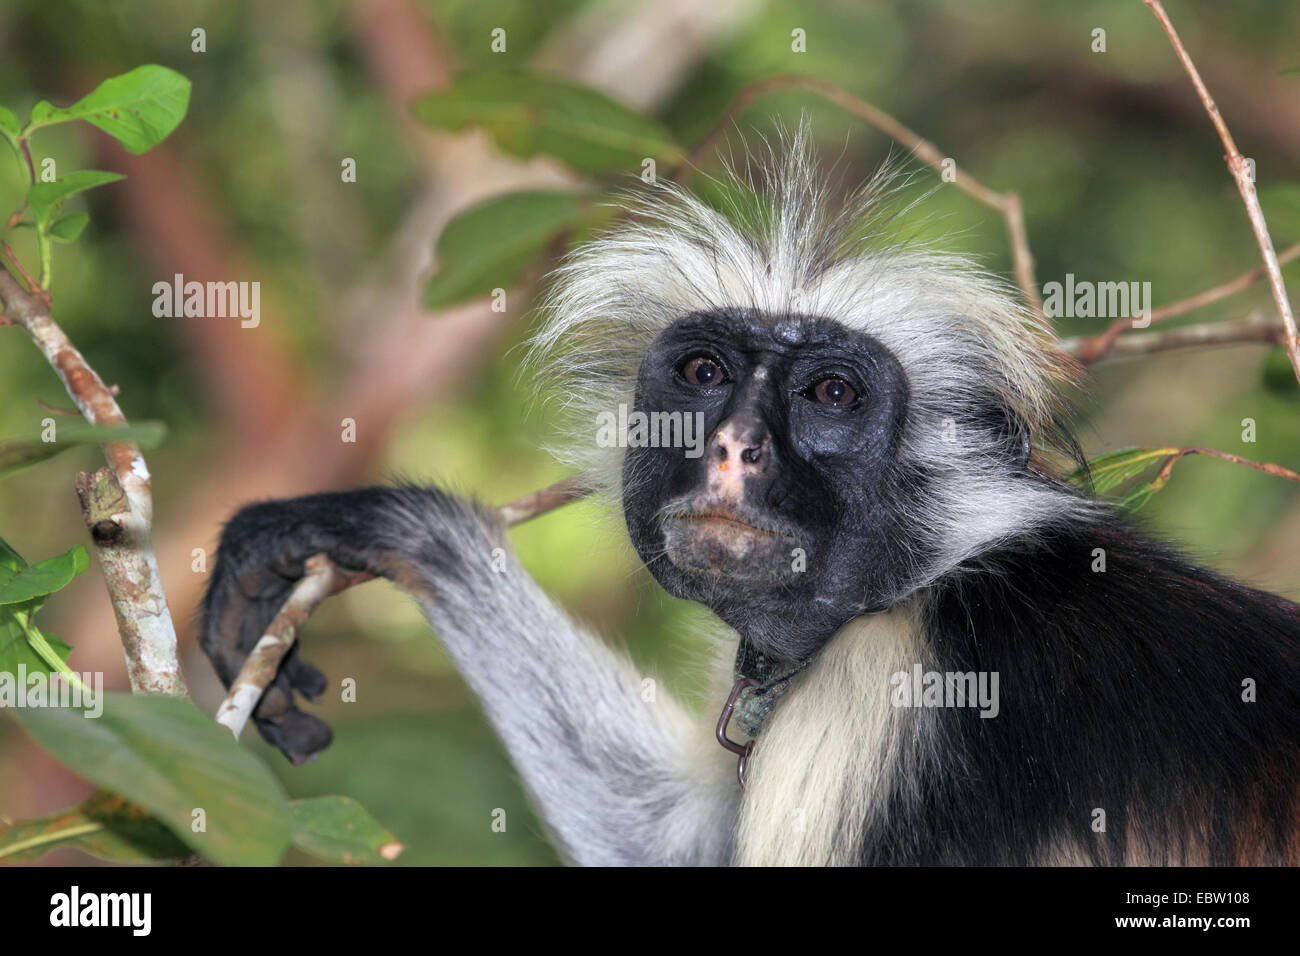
[(618, 778)]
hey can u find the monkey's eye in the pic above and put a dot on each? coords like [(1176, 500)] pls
[(833, 391), (703, 370)]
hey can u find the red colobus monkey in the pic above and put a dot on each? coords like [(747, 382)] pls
[(944, 654)]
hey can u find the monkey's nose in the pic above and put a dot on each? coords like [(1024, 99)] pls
[(746, 450)]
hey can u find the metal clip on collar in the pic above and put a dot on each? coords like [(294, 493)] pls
[(741, 750)]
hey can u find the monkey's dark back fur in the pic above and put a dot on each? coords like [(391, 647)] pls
[(1125, 685)]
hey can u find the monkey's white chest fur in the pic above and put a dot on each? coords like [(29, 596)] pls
[(825, 761)]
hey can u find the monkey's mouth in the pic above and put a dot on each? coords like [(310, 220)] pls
[(723, 541), (724, 519)]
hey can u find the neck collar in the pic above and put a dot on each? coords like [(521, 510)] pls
[(760, 682)]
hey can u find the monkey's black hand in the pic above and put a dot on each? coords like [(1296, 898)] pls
[(261, 557)]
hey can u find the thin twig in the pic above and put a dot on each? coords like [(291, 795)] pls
[(119, 512), (27, 155), (57, 409), (1266, 467), (322, 579), (1093, 348), (1258, 328), (540, 502), (1175, 455), (1240, 170), (1228, 288), (1008, 204), (32, 284)]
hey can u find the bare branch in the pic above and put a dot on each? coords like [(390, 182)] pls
[(322, 579), (1258, 328), (540, 502), (1094, 348), (139, 604), (27, 276), (27, 157), (1240, 170), (121, 509), (1266, 467)]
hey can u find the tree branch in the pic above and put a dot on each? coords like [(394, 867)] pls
[(322, 579), (1258, 328), (1094, 348), (1266, 467), (1240, 170), (540, 502), (117, 503)]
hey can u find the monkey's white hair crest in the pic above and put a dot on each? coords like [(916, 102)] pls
[(960, 334)]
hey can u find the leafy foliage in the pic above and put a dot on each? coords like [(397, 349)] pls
[(1118, 468), (17, 453), (70, 227), (10, 128), (23, 590), (139, 109), (527, 114), (338, 829), (35, 583), (167, 756), (491, 244), (105, 826)]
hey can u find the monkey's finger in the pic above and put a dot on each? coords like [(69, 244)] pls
[(297, 735), (304, 677)]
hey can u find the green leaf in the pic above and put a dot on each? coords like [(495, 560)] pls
[(105, 826), (42, 198), (63, 650), (17, 453), (15, 649), (491, 244), (10, 560), (10, 130), (9, 125), (45, 578), (166, 756), (21, 642), (339, 829), (1112, 469), (1139, 495), (531, 113), (1290, 71), (139, 109), (70, 227), (1115, 468)]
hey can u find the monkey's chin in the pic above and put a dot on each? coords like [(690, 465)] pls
[(721, 544)]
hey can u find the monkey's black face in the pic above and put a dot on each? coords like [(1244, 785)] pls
[(778, 504)]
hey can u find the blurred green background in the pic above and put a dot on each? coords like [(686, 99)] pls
[(1121, 176)]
